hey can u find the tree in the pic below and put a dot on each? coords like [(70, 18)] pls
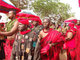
[(59, 11), (22, 4)]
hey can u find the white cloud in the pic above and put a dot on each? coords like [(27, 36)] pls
[(75, 7)]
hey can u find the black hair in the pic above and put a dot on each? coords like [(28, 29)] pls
[(14, 12)]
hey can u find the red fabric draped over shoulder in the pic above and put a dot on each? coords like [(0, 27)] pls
[(53, 52)]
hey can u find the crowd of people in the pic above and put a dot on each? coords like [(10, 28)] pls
[(36, 40)]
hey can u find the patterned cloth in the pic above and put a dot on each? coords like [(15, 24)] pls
[(23, 47)]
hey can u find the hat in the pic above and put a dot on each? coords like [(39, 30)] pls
[(23, 21)]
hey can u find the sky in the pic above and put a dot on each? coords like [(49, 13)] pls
[(75, 7), (8, 2), (73, 4)]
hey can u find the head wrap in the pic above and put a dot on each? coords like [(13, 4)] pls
[(23, 21), (36, 19), (71, 25)]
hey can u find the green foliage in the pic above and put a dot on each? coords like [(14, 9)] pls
[(48, 7), (44, 8), (20, 4)]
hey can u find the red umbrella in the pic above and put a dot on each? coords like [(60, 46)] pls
[(5, 7)]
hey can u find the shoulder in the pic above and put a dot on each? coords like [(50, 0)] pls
[(41, 32), (16, 22)]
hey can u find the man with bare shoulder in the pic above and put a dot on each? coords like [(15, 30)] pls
[(11, 30), (50, 43)]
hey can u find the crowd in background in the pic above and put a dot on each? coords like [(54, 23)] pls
[(19, 39)]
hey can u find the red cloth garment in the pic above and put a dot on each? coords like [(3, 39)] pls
[(53, 52), (45, 49), (78, 44), (8, 49), (24, 21), (71, 25), (2, 25), (70, 45)]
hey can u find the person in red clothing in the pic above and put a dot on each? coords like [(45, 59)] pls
[(70, 42), (2, 42), (11, 30), (49, 42), (78, 44), (78, 24)]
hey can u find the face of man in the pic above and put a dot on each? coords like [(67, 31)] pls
[(35, 23), (10, 14), (46, 23), (22, 27), (78, 22)]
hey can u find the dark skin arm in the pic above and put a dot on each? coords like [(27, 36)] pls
[(39, 36), (12, 31)]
